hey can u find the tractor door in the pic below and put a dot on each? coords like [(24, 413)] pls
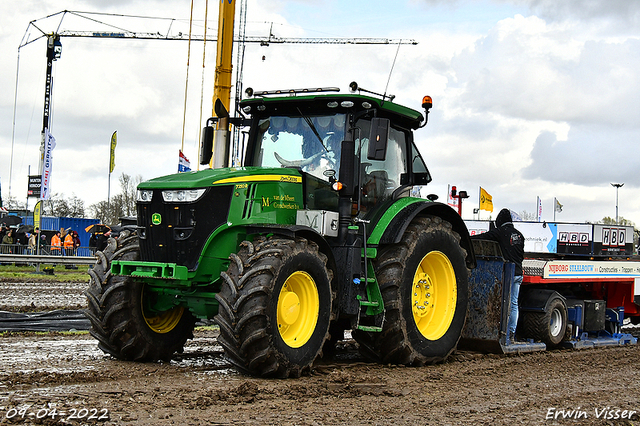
[(391, 175)]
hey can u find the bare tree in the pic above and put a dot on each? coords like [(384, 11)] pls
[(12, 203), (128, 187), (76, 206), (526, 216), (612, 221), (120, 205)]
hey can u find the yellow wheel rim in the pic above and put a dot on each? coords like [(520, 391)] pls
[(434, 295), (163, 322), (298, 307)]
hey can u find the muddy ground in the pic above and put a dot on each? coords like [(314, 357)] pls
[(66, 379)]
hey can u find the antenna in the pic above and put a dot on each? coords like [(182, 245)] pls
[(391, 70)]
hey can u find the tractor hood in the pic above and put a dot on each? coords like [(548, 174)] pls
[(225, 176)]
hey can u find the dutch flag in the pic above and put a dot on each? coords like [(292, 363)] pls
[(183, 163)]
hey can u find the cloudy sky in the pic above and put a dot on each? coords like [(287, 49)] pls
[(532, 98)]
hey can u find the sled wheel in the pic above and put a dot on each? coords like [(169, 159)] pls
[(548, 327)]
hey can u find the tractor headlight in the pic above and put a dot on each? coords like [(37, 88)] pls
[(144, 195), (182, 195)]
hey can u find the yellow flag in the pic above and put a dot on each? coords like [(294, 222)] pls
[(486, 201), (37, 211), (114, 141)]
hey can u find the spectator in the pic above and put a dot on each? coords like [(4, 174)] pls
[(8, 241), (56, 244), (101, 241), (68, 243), (511, 242), (93, 242), (33, 241), (76, 241)]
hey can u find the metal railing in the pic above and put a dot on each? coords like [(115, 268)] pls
[(17, 253), (46, 250)]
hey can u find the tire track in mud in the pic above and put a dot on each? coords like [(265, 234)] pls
[(41, 296)]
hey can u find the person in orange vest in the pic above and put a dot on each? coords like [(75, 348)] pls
[(56, 243), (69, 243)]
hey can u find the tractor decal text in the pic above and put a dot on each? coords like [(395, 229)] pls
[(294, 179), (288, 206), (284, 198), (260, 178)]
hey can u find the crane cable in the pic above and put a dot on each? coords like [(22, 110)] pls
[(204, 55), (186, 83)]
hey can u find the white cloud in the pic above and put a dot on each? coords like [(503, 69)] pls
[(531, 98)]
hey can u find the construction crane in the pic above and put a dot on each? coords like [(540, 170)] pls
[(54, 50)]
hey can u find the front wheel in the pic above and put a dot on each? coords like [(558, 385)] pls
[(119, 309), (424, 284), (275, 307)]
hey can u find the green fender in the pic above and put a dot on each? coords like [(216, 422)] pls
[(390, 227)]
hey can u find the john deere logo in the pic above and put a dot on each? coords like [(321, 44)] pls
[(156, 219)]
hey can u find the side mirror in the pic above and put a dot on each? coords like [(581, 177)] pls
[(421, 178), (378, 138), (206, 145)]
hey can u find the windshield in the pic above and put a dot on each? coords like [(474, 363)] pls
[(311, 143)]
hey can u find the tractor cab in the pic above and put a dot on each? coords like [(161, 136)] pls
[(355, 147)]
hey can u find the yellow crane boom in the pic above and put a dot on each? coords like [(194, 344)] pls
[(224, 59)]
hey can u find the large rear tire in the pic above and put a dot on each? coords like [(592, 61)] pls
[(275, 307), (424, 284), (116, 309)]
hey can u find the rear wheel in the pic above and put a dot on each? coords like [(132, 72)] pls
[(275, 307), (548, 327), (119, 309), (424, 284)]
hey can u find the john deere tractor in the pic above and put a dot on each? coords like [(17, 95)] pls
[(316, 233)]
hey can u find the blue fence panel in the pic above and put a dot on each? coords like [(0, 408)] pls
[(55, 223)]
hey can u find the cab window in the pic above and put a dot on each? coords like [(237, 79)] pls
[(380, 178)]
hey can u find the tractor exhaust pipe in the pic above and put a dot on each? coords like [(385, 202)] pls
[(215, 142)]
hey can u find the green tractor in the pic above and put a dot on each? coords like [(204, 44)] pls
[(316, 233)]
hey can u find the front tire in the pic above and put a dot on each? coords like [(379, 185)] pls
[(424, 284), (116, 309), (275, 307)]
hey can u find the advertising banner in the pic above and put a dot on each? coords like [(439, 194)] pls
[(112, 157), (34, 186), (37, 214), (486, 200), (538, 237), (590, 269), (453, 202), (476, 227), (47, 166), (574, 238), (612, 240)]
